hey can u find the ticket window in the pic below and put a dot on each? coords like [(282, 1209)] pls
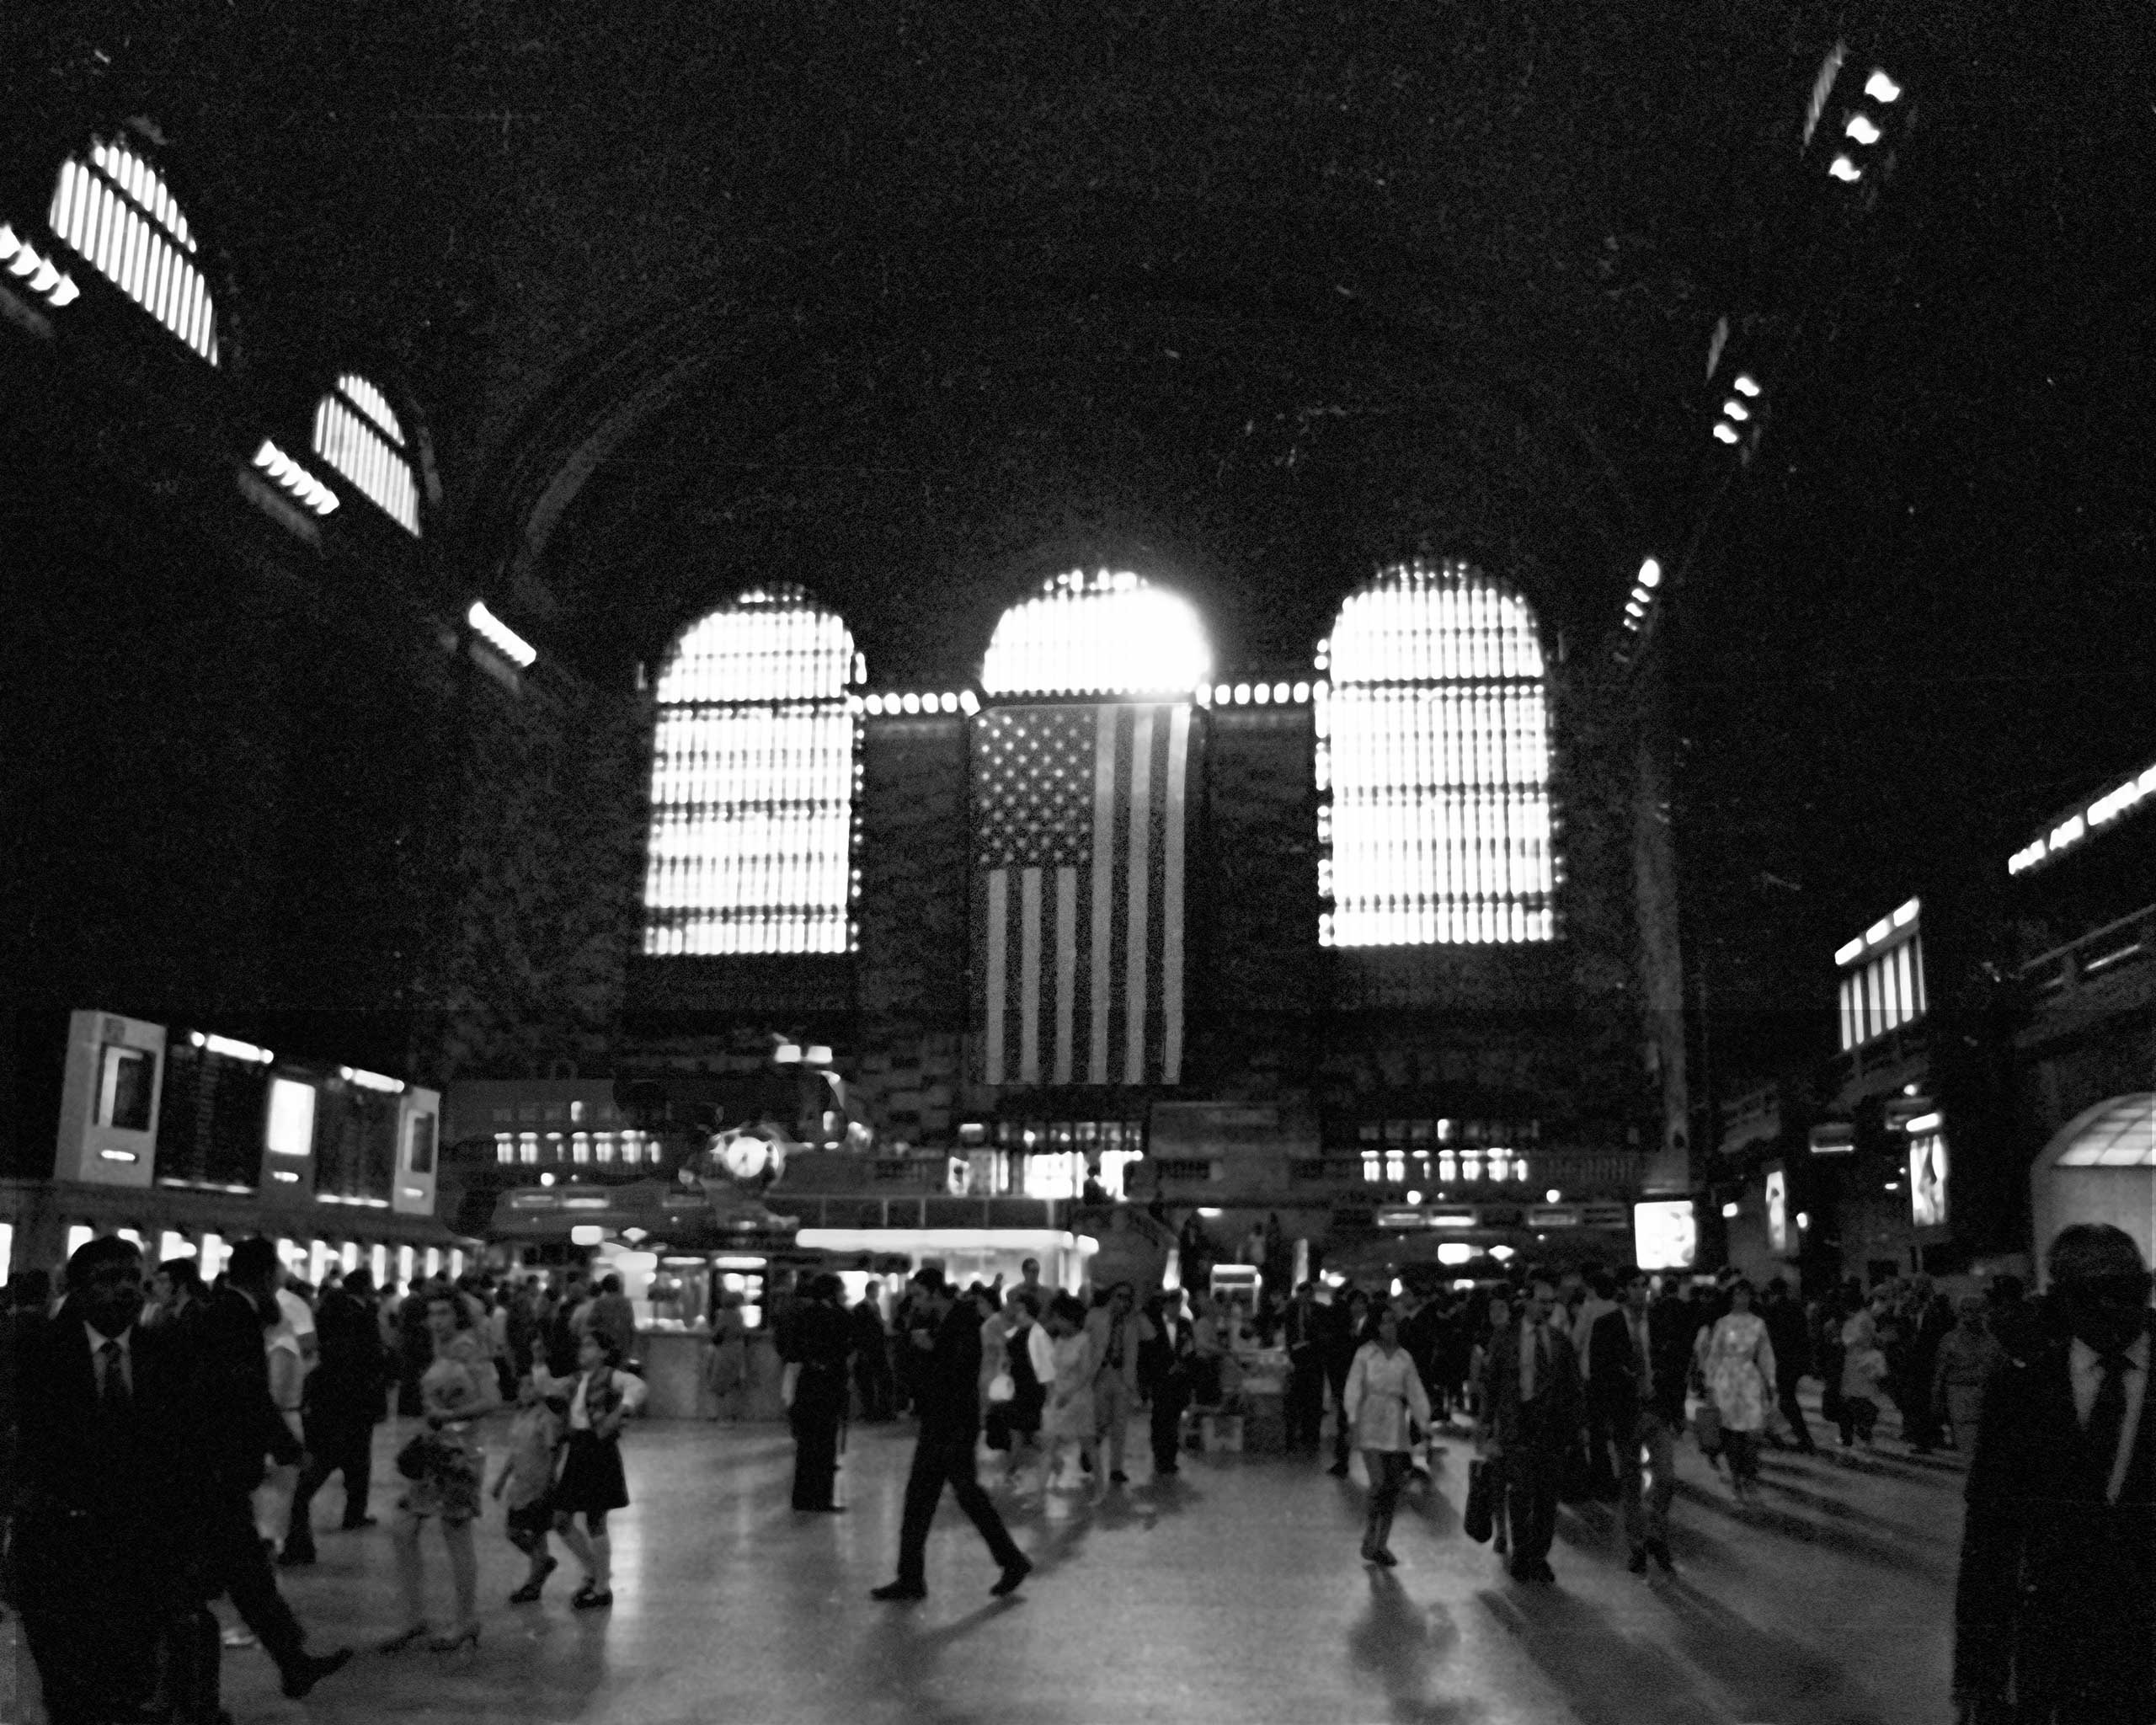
[(213, 1256), (406, 1262), (7, 1252), (378, 1261), (749, 1285)]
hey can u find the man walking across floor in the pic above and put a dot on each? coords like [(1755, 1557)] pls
[(944, 1339), (242, 1426), (1789, 1332), (1531, 1413), (1304, 1403), (1114, 1331), (1639, 1353), (344, 1403)]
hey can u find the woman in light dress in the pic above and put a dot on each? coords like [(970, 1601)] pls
[(1864, 1375), (458, 1388), (726, 1362), (1738, 1361), (1063, 1361), (1384, 1391), (1967, 1358)]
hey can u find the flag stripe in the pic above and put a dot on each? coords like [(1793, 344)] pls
[(1029, 976), (1139, 898), (1172, 899), (1103, 905), (1066, 966), (999, 888)]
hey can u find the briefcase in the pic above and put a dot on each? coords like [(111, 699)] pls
[(1480, 1520)]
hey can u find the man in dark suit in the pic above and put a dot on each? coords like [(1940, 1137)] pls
[(243, 1425), (1638, 1357), (108, 1492), (1532, 1411), (1304, 1405), (2055, 1614), (945, 1339), (345, 1402)]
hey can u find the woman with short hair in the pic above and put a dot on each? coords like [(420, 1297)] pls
[(592, 1484), (1738, 1361)]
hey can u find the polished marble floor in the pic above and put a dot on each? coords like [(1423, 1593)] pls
[(1233, 1593)]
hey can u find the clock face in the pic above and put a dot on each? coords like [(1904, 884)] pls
[(747, 1157)]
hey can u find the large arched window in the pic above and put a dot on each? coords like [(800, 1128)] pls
[(114, 210), (1433, 736), (752, 783), (356, 432), (1105, 634)]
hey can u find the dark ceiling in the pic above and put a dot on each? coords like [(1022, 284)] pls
[(912, 303)]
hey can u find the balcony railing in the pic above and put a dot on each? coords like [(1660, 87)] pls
[(2127, 944)]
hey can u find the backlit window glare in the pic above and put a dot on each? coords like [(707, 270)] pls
[(1434, 738), (115, 211), (753, 779), (1883, 993), (1105, 634), (356, 432)]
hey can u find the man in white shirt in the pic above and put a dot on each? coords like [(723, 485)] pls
[(2055, 1603)]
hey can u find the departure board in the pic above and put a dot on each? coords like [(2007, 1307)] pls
[(210, 1122), (355, 1143)]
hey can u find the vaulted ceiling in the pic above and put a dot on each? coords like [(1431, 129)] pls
[(912, 302)]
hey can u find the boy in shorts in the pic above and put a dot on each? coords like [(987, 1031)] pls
[(527, 1477)]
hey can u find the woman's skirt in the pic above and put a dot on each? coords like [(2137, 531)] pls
[(591, 1482), (1073, 1419), (448, 1485)]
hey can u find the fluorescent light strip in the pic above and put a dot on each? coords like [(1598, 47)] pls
[(23, 261), (295, 479), (500, 636), (371, 1080), (2100, 811), (232, 1048)]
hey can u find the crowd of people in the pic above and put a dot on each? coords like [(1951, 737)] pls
[(163, 1442)]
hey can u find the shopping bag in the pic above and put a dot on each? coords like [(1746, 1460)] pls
[(1706, 1426), (1480, 1519)]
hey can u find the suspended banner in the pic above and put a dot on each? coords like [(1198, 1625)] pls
[(1080, 841)]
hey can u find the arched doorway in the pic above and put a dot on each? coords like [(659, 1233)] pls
[(2101, 1167)]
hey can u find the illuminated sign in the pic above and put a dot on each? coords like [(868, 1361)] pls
[(291, 1130), (1927, 1178), (1665, 1234), (2098, 813)]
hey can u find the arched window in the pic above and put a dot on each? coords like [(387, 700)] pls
[(115, 210), (1105, 634), (1434, 739), (752, 783), (357, 434)]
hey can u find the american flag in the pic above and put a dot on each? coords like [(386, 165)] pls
[(1078, 839)]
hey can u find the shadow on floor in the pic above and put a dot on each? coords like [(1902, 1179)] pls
[(1880, 1551), (1767, 1675), (1401, 1646), (1607, 1677)]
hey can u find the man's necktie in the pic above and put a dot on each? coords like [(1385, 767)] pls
[(2107, 1420), (113, 1399), (1646, 1365), (1534, 1364)]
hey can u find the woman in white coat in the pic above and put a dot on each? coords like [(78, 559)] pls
[(1383, 1392), (1738, 1363)]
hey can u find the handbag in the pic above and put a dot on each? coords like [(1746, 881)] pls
[(1479, 1519), (412, 1459), (1706, 1425)]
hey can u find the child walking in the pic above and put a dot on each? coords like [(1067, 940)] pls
[(528, 1478), (592, 1484)]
